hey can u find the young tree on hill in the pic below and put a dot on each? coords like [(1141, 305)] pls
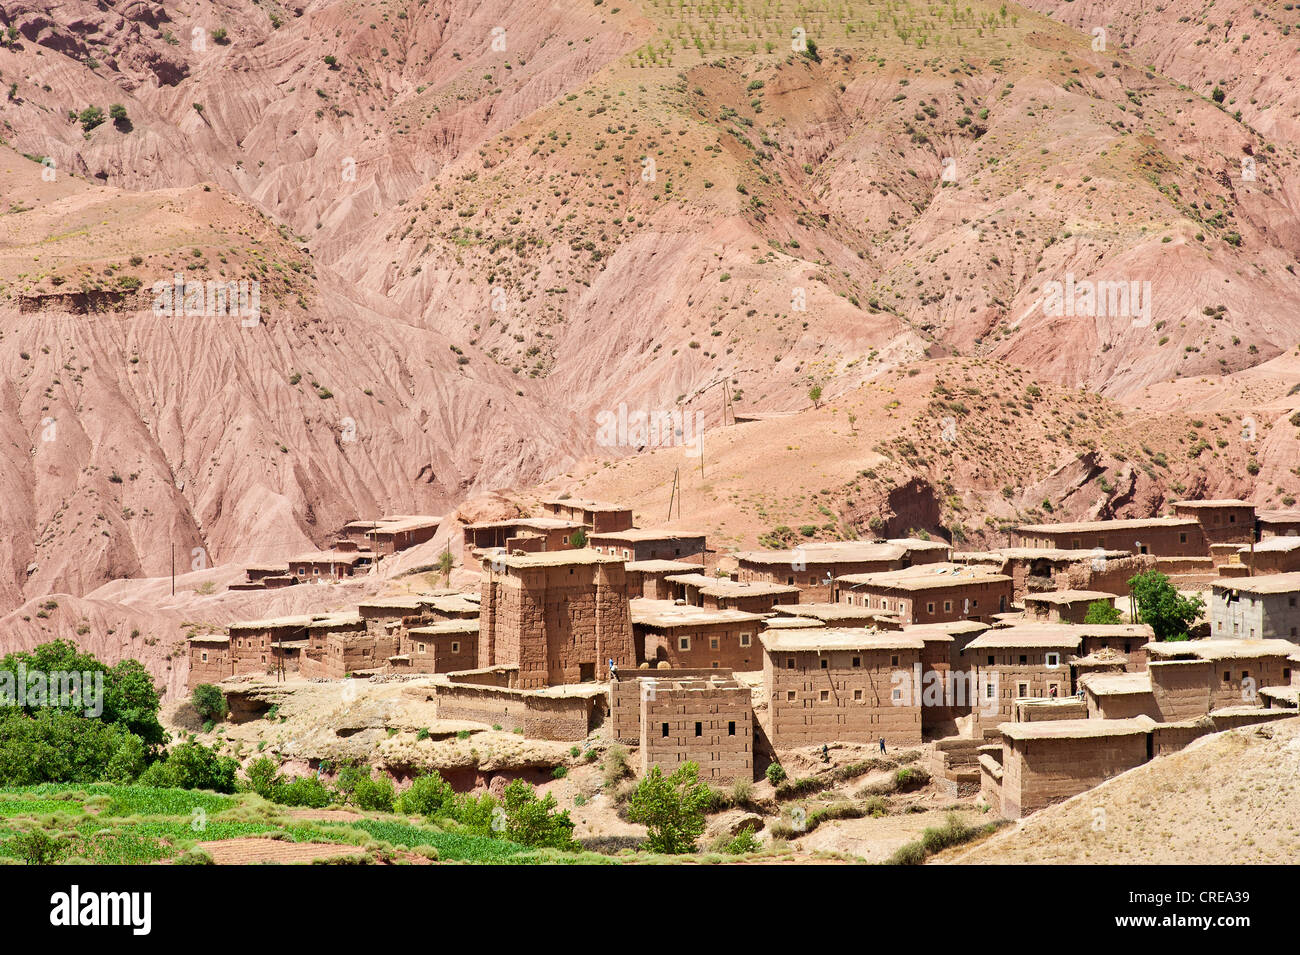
[(445, 564), (1103, 612), (1159, 605), (671, 808)]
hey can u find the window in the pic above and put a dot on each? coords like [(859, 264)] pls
[(699, 729), (893, 660), (789, 581), (857, 661), (746, 639), (897, 695), (421, 647), (731, 728), (1245, 674), (1286, 674), (789, 663), (665, 730), (713, 643), (204, 655), (1022, 689), (929, 606), (1227, 677), (683, 643), (1053, 660), (1023, 659), (947, 606), (1182, 538), (455, 648), (789, 696), (715, 664), (990, 660), (825, 695), (825, 664)]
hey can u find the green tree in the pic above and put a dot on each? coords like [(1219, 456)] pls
[(374, 794), (37, 847), (1159, 605), (815, 394), (1103, 612), (578, 538), (445, 563), (671, 808), (535, 822), (90, 117), (263, 776), (192, 766), (428, 795), (209, 702)]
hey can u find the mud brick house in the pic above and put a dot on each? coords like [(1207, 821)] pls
[(356, 531), (338, 644), (210, 659), (598, 517), (689, 637), (1161, 536), (1020, 662), (330, 565), (704, 721), (1193, 678), (559, 617), (1277, 524), (644, 543), (624, 722), (1252, 608), (1124, 641), (828, 684), (443, 647), (1064, 606), (647, 578), (813, 566), (390, 535), (450, 606), (1119, 696), (264, 577), (1038, 570), (1222, 521), (520, 533), (1273, 555), (720, 593), (932, 593), (1045, 762)]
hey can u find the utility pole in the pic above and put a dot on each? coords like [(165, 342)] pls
[(173, 569)]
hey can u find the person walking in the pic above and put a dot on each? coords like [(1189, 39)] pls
[(882, 744)]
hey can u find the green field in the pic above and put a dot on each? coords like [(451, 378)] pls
[(105, 824)]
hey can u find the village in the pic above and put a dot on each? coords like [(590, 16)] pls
[(992, 662)]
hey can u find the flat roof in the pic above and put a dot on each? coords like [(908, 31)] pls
[(1218, 648), (1068, 596), (555, 558), (818, 639), (1278, 517), (1066, 554), (536, 523), (944, 632), (1215, 502), (725, 587), (1264, 584), (828, 611), (210, 638), (827, 552), (445, 628), (450, 603), (1084, 527), (666, 613), (1117, 684), (331, 557), (295, 620), (1076, 729), (395, 602), (1278, 544), (343, 619), (662, 566), (926, 577), (406, 524), (645, 534), (791, 623), (586, 505), (1029, 636)]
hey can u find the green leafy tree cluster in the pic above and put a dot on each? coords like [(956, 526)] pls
[(1161, 607), (671, 808), (1102, 612)]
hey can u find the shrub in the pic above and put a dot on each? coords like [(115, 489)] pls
[(90, 117), (775, 773), (671, 808), (305, 791), (375, 794), (616, 765), (1102, 612), (262, 774), (209, 702), (535, 822), (192, 766), (911, 854), (37, 847), (428, 795), (742, 843)]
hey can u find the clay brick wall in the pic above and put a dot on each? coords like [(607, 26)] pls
[(625, 698), (1171, 737), (442, 653), (934, 605), (812, 705), (716, 646), (1122, 706), (1176, 541), (1067, 708), (1182, 690), (1110, 577), (554, 718), (700, 722), (1009, 676), (552, 621), (1039, 772), (216, 668)]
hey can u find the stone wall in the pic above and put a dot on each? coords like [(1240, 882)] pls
[(698, 721), (540, 717), (1039, 772), (625, 699)]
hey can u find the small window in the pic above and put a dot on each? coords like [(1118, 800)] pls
[(1053, 659), (1182, 538), (1245, 674), (665, 730), (699, 729), (731, 728), (455, 648), (746, 639), (857, 661), (826, 664), (893, 660), (789, 696), (205, 656), (683, 643), (1024, 659), (825, 695), (1022, 689), (929, 607), (857, 694), (898, 695), (713, 643), (1227, 677), (421, 646), (947, 606), (990, 663)]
